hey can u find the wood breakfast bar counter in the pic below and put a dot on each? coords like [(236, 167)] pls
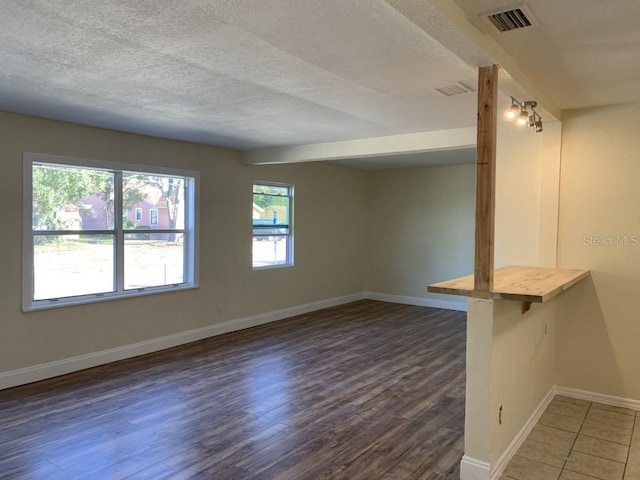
[(524, 284)]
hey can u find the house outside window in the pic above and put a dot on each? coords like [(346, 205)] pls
[(272, 225), (80, 242)]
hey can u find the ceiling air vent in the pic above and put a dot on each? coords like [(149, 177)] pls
[(514, 19), (453, 89)]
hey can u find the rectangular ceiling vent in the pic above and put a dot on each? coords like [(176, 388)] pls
[(452, 89), (514, 19)]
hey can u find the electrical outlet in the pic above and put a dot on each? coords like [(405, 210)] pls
[(500, 416), (219, 309)]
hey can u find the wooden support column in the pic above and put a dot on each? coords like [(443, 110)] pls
[(485, 178)]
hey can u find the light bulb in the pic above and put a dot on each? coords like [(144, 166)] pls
[(523, 119), (513, 111)]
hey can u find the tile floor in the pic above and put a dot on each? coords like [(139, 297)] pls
[(579, 440)]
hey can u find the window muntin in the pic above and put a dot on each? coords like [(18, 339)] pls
[(272, 230), (79, 249)]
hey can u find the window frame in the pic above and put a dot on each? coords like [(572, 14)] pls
[(290, 238), (190, 231)]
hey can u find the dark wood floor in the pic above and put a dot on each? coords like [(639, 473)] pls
[(368, 390)]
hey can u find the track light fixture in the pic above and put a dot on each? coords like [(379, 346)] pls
[(525, 114)]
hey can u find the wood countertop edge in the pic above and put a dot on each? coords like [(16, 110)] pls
[(504, 293)]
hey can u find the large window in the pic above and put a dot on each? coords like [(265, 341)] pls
[(86, 239), (272, 230)]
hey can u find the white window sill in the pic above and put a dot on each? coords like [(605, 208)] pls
[(71, 301), (270, 267)]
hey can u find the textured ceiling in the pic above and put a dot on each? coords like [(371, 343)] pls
[(238, 73), (260, 73), (583, 53)]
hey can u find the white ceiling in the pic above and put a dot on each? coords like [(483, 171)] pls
[(583, 53), (238, 73), (260, 73)]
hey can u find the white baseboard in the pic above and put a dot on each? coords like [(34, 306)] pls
[(35, 373), (522, 435), (460, 305), (472, 469), (599, 398), (513, 447)]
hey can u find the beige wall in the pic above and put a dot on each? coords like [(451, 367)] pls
[(510, 363), (527, 176), (523, 367), (478, 419), (328, 247), (420, 228), (599, 330)]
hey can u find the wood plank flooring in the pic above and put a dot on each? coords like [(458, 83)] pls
[(368, 390)]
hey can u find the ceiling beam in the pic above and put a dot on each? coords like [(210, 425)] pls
[(363, 148)]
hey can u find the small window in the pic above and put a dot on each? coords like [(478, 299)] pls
[(80, 245), (153, 217), (272, 225)]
